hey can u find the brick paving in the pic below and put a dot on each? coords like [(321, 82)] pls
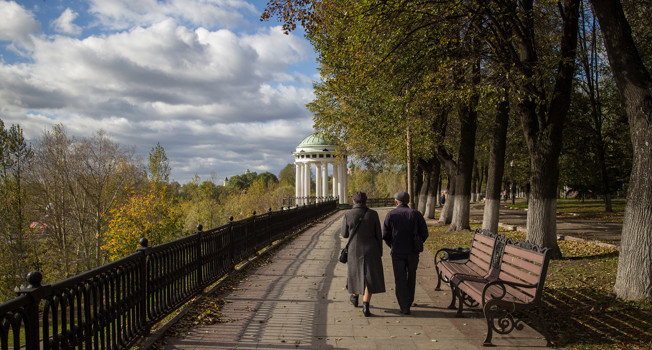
[(299, 301)]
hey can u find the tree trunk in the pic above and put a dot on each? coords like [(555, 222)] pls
[(446, 215), (491, 213), (634, 277), (433, 195), (468, 126), (425, 184), (542, 209), (474, 181), (417, 185), (409, 174), (482, 172)]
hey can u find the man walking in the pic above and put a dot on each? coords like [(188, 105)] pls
[(400, 226)]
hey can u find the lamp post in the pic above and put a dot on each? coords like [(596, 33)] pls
[(511, 164)]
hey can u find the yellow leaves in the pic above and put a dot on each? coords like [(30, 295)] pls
[(148, 213)]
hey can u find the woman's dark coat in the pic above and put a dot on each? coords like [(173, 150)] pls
[(365, 266)]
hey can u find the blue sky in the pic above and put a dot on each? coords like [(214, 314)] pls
[(219, 89)]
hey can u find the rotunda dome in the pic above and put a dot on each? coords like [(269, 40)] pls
[(316, 142)]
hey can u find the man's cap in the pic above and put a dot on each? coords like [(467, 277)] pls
[(402, 197), (360, 197)]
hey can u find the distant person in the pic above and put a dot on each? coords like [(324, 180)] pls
[(365, 267), (443, 199), (398, 232)]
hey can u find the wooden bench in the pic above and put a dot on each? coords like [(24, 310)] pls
[(510, 293), (482, 257)]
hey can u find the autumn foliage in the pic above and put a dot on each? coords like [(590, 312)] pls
[(149, 213)]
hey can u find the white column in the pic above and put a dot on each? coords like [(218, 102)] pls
[(306, 184), (340, 178), (297, 181), (318, 180), (324, 180), (300, 182), (345, 182), (336, 191)]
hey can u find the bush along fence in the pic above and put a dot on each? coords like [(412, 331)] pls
[(115, 305)]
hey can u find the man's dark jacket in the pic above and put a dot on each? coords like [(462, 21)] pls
[(398, 229)]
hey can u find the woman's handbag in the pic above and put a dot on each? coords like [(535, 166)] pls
[(344, 254)]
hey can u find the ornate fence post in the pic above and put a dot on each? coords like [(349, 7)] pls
[(36, 292), (143, 302), (200, 257), (268, 224), (252, 233), (232, 242)]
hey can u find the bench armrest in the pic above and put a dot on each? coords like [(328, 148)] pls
[(461, 277), (503, 288)]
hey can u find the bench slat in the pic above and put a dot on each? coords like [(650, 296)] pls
[(517, 274), (524, 253)]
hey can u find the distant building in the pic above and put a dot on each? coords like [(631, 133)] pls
[(317, 150)]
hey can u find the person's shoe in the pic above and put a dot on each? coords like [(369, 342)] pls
[(365, 309), (405, 311), (354, 300)]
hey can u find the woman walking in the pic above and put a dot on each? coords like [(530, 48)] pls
[(361, 226)]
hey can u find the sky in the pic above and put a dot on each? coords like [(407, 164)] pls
[(220, 90)]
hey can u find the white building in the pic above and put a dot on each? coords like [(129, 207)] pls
[(318, 151)]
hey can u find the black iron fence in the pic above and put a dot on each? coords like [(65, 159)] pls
[(299, 201), (113, 306), (371, 202), (380, 202)]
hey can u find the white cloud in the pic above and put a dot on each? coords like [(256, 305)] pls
[(17, 26), (123, 14), (218, 100), (64, 24)]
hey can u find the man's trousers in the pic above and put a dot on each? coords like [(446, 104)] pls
[(405, 277)]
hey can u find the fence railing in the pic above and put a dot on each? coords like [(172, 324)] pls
[(113, 306), (298, 201), (371, 202), (380, 202)]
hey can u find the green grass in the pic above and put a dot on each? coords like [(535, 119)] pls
[(581, 313), (586, 209)]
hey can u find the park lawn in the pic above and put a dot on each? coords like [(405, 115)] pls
[(586, 209), (581, 312)]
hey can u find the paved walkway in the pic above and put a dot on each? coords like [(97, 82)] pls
[(299, 300)]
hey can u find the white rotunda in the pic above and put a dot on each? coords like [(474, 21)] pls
[(318, 151)]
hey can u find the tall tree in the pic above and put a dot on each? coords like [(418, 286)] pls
[(106, 170), (77, 182), (287, 175), (634, 277), (158, 167), (518, 33), (50, 177), (17, 247)]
